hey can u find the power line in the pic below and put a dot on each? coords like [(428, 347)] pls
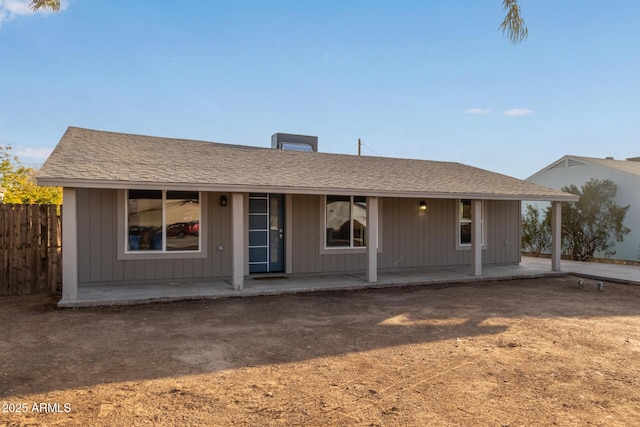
[(350, 148), (371, 149)]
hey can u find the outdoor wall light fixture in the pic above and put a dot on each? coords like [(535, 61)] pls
[(223, 200), (423, 205)]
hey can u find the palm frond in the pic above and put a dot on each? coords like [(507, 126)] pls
[(54, 5), (513, 24)]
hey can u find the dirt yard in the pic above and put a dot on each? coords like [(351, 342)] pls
[(528, 352)]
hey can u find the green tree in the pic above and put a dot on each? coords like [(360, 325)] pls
[(536, 232), (513, 25), (594, 222), (20, 184)]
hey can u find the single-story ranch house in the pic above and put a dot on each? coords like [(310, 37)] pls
[(142, 209)]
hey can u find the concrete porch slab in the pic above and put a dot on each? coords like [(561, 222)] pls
[(619, 273), (121, 294)]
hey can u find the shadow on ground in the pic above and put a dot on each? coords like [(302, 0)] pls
[(45, 349)]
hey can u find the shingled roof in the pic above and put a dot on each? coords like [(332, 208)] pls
[(98, 159)]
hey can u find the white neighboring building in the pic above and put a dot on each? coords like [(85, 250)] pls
[(624, 173)]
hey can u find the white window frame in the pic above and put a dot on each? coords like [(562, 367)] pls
[(336, 250), (483, 224), (122, 240)]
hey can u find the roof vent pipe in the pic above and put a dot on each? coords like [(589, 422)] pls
[(609, 158)]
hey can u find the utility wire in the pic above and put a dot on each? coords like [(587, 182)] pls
[(350, 148), (374, 151)]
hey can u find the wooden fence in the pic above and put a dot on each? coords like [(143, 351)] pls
[(30, 254)]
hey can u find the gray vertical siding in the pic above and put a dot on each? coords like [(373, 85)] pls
[(503, 228), (97, 240), (410, 238), (419, 239), (307, 217)]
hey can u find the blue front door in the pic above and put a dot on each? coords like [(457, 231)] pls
[(266, 233)]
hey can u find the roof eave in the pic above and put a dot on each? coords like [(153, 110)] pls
[(586, 160), (123, 185)]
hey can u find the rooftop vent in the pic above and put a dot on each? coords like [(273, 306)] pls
[(609, 158), (291, 142)]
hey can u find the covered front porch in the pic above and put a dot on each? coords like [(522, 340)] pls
[(375, 268), (132, 293)]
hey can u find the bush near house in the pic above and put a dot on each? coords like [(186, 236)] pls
[(592, 224), (30, 228), (536, 233)]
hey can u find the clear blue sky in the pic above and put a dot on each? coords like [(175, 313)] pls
[(418, 79)]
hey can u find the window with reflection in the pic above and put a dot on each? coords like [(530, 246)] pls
[(465, 220), (345, 221), (144, 223), (163, 221)]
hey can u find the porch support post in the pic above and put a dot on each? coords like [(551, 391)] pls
[(372, 239), (476, 237), (556, 232), (237, 240), (69, 245)]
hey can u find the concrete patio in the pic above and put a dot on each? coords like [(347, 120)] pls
[(619, 273), (124, 294)]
